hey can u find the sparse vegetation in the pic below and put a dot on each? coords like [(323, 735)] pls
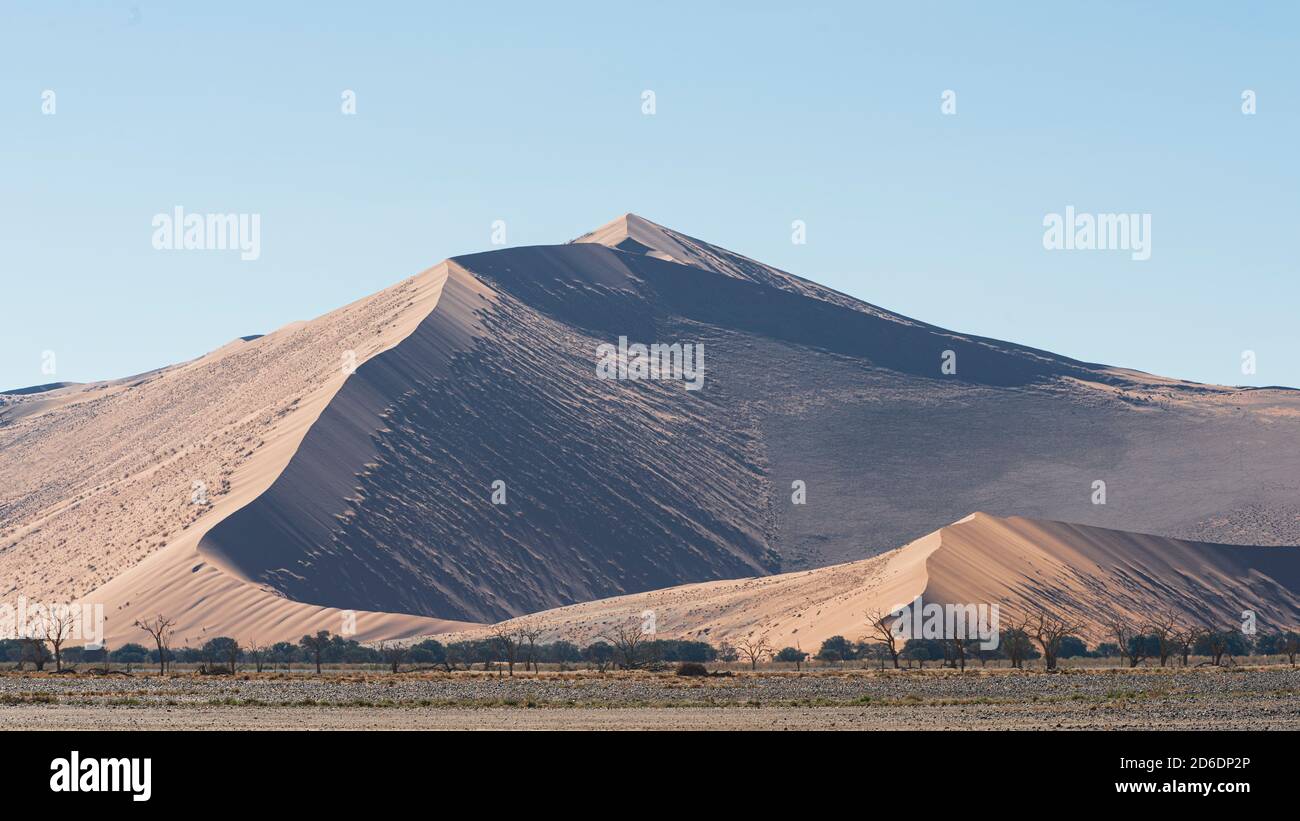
[(159, 629), (1042, 637), (792, 655)]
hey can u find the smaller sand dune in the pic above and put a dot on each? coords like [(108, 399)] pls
[(1086, 575)]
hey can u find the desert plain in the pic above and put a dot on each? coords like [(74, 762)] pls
[(1261, 696)]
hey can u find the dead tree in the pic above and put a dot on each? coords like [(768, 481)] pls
[(393, 654), (1165, 628), (1290, 646), (628, 640), (55, 626), (160, 629), (530, 633), (1184, 641), (1131, 646), (753, 650), (1048, 632), (508, 641), (880, 626), (1015, 643), (256, 652)]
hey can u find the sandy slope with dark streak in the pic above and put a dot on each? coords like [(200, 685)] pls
[(97, 481), (610, 486), (372, 491)]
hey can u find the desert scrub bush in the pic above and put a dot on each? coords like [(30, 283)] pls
[(691, 668), (27, 698)]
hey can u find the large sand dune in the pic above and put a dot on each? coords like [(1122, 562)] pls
[(370, 489), (99, 481)]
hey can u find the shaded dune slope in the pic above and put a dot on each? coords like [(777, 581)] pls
[(610, 486)]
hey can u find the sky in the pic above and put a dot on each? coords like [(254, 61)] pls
[(764, 113)]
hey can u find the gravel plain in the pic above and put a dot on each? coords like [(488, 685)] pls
[(1195, 698)]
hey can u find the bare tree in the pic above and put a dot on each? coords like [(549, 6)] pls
[(508, 640), (1184, 641), (530, 633), (1131, 646), (880, 626), (1165, 628), (753, 650), (257, 652), (55, 626), (1015, 643), (160, 628), (628, 640), (1049, 630), (1290, 645), (393, 654)]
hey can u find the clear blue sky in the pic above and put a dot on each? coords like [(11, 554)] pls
[(766, 113)]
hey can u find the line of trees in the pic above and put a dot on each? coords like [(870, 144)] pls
[(1162, 640), (226, 654)]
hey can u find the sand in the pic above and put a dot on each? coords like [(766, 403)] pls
[(1231, 714), (1087, 576), (1252, 697), (99, 479), (332, 490)]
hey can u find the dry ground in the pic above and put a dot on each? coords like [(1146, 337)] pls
[(1265, 697)]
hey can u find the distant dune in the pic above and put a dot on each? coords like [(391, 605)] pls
[(348, 462), (1088, 576), (50, 386)]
